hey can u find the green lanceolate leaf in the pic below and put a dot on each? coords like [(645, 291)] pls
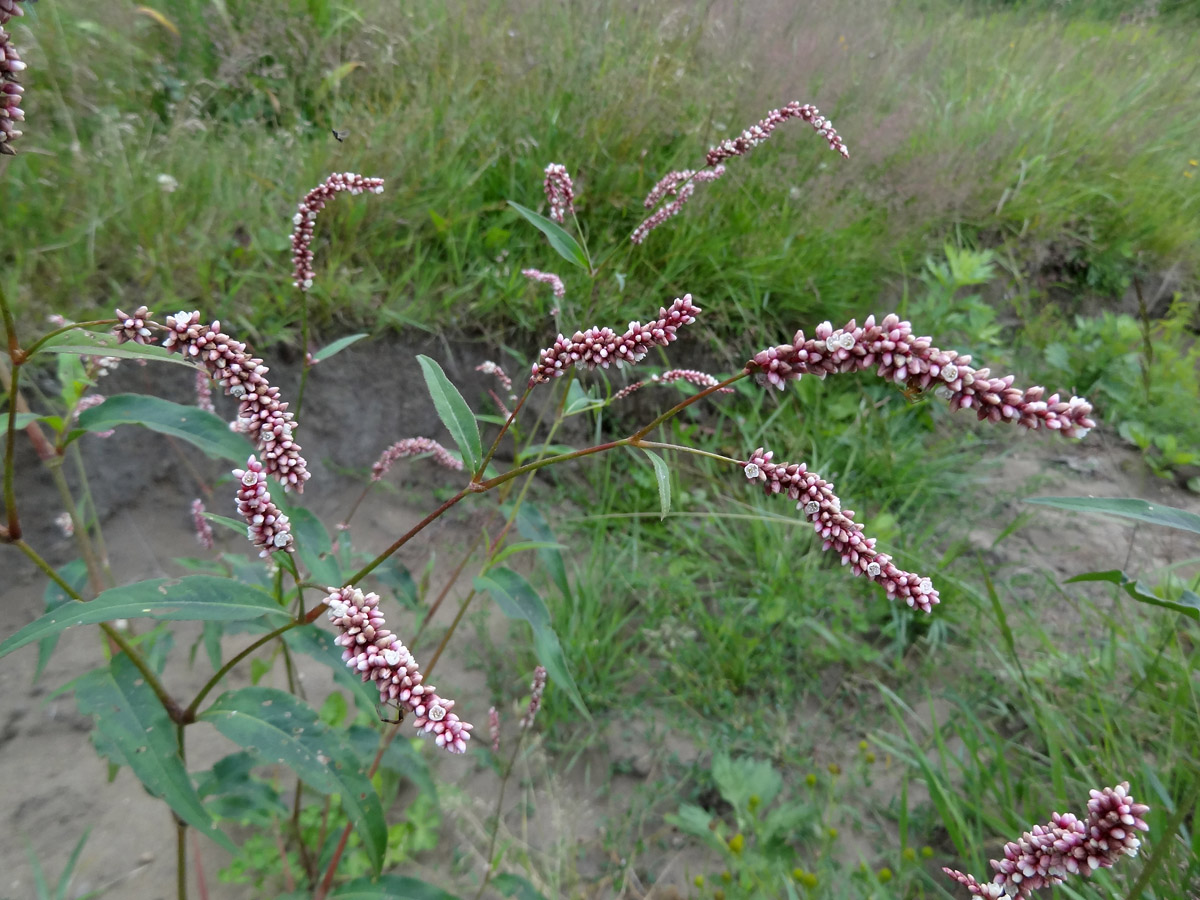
[(91, 343), (663, 476), (204, 430), (517, 599), (134, 727), (454, 412), (565, 245), (314, 546), (198, 597), (1139, 510), (337, 346), (1188, 602), (533, 526), (278, 728), (318, 644), (390, 887), (73, 573)]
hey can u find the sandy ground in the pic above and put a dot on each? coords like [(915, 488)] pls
[(55, 787)]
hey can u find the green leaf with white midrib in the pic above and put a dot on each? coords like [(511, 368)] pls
[(564, 245), (203, 430), (454, 412), (133, 724), (196, 597), (278, 728), (1127, 508)]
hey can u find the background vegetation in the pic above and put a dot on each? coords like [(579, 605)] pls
[(1023, 184)]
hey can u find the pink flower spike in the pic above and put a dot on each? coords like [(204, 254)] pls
[(1064, 846), (756, 134), (204, 532), (371, 650), (602, 346), (494, 729), (487, 367), (87, 402), (692, 376), (839, 532), (549, 278), (305, 219), (204, 399), (535, 697), (266, 525), (680, 186), (560, 192), (896, 354), (413, 447), (10, 90)]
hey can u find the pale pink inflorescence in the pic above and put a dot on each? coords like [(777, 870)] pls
[(413, 447), (692, 376), (536, 689), (560, 192), (487, 367), (304, 221), (10, 89), (65, 524), (814, 496), (678, 185), (266, 525), (603, 346), (261, 413), (87, 402), (892, 350), (204, 532), (1065, 846), (379, 656), (494, 729), (204, 398), (756, 134), (549, 278)]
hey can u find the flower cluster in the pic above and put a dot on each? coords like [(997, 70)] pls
[(756, 134), (134, 327), (549, 278), (10, 90), (560, 192), (306, 217), (379, 656), (896, 354), (261, 414), (266, 525), (204, 532), (1065, 846), (535, 697), (9, 9), (413, 447), (494, 728), (836, 526), (602, 346), (204, 398), (87, 402), (692, 376), (680, 185), (487, 367)]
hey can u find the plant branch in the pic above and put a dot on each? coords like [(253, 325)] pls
[(160, 692), (496, 443), (405, 538)]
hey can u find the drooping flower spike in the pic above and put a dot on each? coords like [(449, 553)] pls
[(603, 346), (204, 532), (549, 278), (536, 689), (11, 91), (305, 219), (814, 496), (379, 656), (1064, 846), (756, 134), (891, 349), (266, 525), (678, 185), (692, 376), (560, 192), (413, 447)]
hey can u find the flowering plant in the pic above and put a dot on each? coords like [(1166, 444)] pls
[(310, 587)]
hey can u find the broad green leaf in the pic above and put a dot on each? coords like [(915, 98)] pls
[(235, 525), (453, 411), (317, 643), (230, 790), (697, 822), (740, 780), (337, 346), (516, 887), (565, 245), (517, 599), (580, 401), (198, 597), (91, 343), (24, 420), (402, 756), (532, 525), (314, 547), (390, 887), (278, 728), (204, 430), (663, 476), (1139, 510), (73, 573), (1188, 602), (138, 730)]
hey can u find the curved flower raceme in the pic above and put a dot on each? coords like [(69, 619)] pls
[(204, 532), (266, 525), (306, 218), (413, 447), (756, 134), (603, 346), (10, 90), (841, 534), (680, 185), (549, 278), (261, 413), (379, 656), (896, 354), (692, 376), (1065, 846), (560, 192)]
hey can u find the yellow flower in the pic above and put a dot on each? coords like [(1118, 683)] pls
[(736, 843), (884, 875), (1194, 162)]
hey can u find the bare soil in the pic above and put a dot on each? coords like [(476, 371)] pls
[(56, 787)]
